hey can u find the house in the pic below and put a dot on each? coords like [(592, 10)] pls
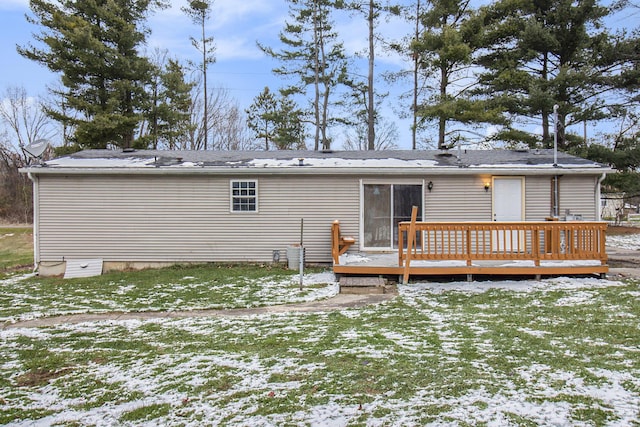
[(135, 209), (612, 207)]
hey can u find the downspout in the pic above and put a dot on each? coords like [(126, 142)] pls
[(36, 221), (598, 196), (556, 203)]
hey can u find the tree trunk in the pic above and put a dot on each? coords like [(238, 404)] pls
[(204, 76), (416, 64), (442, 121), (316, 82), (547, 141), (371, 129)]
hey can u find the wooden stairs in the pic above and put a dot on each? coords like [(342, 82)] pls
[(365, 285)]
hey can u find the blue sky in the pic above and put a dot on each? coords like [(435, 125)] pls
[(236, 26), (241, 68)]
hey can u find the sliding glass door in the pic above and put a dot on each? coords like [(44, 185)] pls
[(384, 206)]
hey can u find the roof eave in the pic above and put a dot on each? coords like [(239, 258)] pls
[(305, 170)]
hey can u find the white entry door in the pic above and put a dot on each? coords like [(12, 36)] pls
[(508, 205)]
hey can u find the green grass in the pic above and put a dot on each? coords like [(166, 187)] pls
[(448, 358), (424, 357), (147, 412), (167, 289), (16, 249)]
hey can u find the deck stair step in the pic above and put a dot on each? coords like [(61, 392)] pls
[(363, 285)]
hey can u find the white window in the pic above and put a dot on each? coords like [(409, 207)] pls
[(244, 196)]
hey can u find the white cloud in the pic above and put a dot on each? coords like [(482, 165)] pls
[(229, 12), (237, 48), (234, 26), (14, 4)]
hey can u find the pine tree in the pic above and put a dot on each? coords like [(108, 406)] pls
[(173, 109), (446, 48), (277, 121), (200, 12), (314, 58), (290, 133), (261, 117), (547, 53), (94, 46)]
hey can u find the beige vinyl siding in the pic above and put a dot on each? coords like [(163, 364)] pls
[(457, 198), (537, 198), (173, 218), (462, 198), (188, 218), (577, 193)]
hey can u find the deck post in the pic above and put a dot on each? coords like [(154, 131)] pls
[(400, 246), (335, 241), (468, 247), (535, 246), (603, 247), (410, 242)]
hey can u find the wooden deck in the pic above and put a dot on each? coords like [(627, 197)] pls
[(482, 248)]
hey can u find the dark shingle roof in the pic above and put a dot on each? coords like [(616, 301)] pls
[(453, 158)]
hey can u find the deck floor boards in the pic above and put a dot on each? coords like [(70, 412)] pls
[(387, 264)]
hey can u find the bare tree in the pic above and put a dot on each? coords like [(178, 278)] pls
[(226, 123), (22, 122), (371, 11), (15, 188), (231, 133), (24, 119), (357, 138), (200, 12)]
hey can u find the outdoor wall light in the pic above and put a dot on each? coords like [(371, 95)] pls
[(430, 186), (487, 186)]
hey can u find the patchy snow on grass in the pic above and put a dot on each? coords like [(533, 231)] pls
[(557, 283), (492, 353), (628, 241), (189, 293)]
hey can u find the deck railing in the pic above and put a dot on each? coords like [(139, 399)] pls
[(486, 242), (499, 241), (482, 241), (339, 243), (493, 241), (535, 241), (490, 243)]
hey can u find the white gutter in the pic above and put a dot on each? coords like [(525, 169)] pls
[(310, 170), (598, 196), (556, 193), (555, 135), (36, 221)]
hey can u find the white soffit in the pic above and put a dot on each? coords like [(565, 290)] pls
[(83, 268)]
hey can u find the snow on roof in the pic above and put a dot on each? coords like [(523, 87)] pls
[(304, 160), (337, 162), (113, 162)]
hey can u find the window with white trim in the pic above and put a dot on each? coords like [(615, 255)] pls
[(244, 196)]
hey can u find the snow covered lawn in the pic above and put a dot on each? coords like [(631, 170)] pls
[(553, 352), (170, 289)]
